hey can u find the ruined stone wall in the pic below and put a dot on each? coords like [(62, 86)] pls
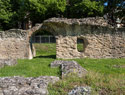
[(100, 39), (102, 45), (14, 44)]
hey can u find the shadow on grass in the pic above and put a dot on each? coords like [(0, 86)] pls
[(48, 56)]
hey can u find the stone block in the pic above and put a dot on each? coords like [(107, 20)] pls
[(72, 68), (7, 62), (69, 68)]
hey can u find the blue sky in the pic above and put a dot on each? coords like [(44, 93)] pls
[(106, 4)]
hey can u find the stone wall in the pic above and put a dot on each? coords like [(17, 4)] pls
[(14, 44), (100, 39), (97, 45)]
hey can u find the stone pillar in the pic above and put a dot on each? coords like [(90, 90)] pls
[(30, 53), (33, 50)]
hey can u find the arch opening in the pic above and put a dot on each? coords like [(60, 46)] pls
[(42, 44)]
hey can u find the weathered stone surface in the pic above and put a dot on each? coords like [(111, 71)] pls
[(69, 68), (80, 91), (56, 63), (25, 86), (7, 62), (33, 30), (14, 44), (100, 40), (89, 21), (72, 68)]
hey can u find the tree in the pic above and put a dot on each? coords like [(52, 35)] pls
[(14, 13), (39, 10), (55, 8), (115, 9), (44, 9), (5, 14), (86, 8)]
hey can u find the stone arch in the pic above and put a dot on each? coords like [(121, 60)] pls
[(34, 30)]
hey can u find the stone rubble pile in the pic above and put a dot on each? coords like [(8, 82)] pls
[(69, 67), (80, 91), (26, 86)]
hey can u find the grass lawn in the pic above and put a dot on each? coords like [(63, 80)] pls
[(46, 53), (105, 76)]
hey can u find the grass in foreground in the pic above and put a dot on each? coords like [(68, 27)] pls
[(40, 65), (46, 53), (105, 75), (101, 84), (104, 66)]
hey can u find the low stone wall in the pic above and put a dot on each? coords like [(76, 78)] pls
[(26, 86)]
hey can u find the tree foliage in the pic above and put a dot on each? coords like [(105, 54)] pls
[(86, 8), (5, 13), (115, 9), (13, 12)]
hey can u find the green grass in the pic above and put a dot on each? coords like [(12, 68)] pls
[(102, 75), (101, 84), (38, 66), (105, 66), (80, 47), (46, 53)]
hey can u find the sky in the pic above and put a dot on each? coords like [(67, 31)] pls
[(106, 4)]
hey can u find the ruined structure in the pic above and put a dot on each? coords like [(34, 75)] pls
[(99, 39)]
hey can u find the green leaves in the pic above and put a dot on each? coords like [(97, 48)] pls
[(5, 13), (13, 12), (86, 8)]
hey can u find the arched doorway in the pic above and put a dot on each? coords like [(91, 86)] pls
[(43, 36), (43, 44)]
